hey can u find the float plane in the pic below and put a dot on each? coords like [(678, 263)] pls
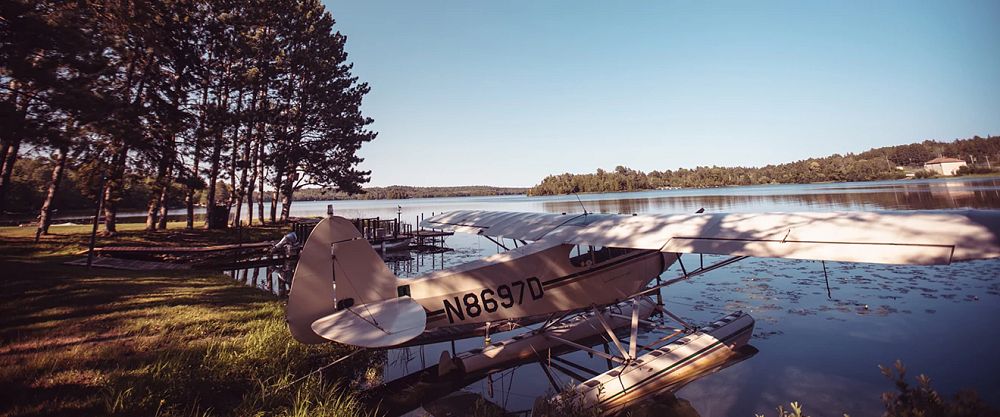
[(556, 265), (343, 292)]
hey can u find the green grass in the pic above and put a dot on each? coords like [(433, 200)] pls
[(78, 341), (69, 240)]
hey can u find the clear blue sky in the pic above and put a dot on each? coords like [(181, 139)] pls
[(507, 92)]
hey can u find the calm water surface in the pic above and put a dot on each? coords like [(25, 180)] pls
[(821, 351)]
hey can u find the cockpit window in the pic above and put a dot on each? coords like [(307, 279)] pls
[(585, 256)]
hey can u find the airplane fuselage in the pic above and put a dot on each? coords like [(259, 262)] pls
[(536, 279)]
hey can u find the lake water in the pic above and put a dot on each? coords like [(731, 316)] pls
[(824, 352)]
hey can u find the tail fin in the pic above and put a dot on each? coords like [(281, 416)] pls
[(337, 268)]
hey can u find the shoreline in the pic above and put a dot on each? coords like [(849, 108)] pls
[(710, 187), (24, 219)]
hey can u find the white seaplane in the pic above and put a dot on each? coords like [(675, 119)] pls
[(343, 292)]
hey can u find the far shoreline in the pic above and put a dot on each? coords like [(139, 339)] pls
[(13, 219), (709, 187)]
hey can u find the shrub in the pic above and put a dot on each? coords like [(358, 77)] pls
[(971, 170), (916, 401)]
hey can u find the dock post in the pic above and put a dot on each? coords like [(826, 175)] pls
[(286, 269), (659, 294), (269, 274)]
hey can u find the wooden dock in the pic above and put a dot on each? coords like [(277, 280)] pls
[(167, 250), (128, 264), (383, 233)]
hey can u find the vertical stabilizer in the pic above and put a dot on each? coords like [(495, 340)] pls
[(337, 268), (360, 273)]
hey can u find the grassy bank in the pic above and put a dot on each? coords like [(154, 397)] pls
[(75, 341), (69, 240)]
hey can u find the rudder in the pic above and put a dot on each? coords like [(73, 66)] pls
[(337, 268)]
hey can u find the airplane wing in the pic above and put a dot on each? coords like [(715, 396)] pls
[(921, 238), (511, 225)]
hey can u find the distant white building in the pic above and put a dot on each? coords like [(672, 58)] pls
[(944, 166)]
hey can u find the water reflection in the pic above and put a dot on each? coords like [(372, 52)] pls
[(886, 195), (980, 194)]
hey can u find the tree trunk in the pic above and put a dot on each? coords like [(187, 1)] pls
[(278, 179), (9, 157), (196, 156), (286, 193), (213, 178), (260, 176), (112, 189), (3, 154), (235, 192), (237, 201), (244, 180), (116, 182), (275, 195), (45, 216), (153, 208), (286, 205), (250, 163), (213, 174), (11, 138), (250, 186), (164, 193), (189, 194)]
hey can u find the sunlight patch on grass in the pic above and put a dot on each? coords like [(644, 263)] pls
[(78, 341)]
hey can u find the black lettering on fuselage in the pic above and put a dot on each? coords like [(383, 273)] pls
[(452, 309), (488, 300), (535, 288)]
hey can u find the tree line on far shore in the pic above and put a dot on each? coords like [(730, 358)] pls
[(32, 176), (399, 192), (874, 164), (160, 103)]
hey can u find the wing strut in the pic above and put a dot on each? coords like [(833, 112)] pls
[(681, 263), (494, 241), (687, 275), (611, 333), (634, 336)]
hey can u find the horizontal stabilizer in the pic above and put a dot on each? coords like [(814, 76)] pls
[(380, 324)]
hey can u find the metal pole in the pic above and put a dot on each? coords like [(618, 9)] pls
[(97, 215), (681, 263), (827, 279)]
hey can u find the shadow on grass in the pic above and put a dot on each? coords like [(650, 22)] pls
[(78, 341)]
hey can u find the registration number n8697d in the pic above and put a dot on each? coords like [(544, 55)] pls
[(488, 300)]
